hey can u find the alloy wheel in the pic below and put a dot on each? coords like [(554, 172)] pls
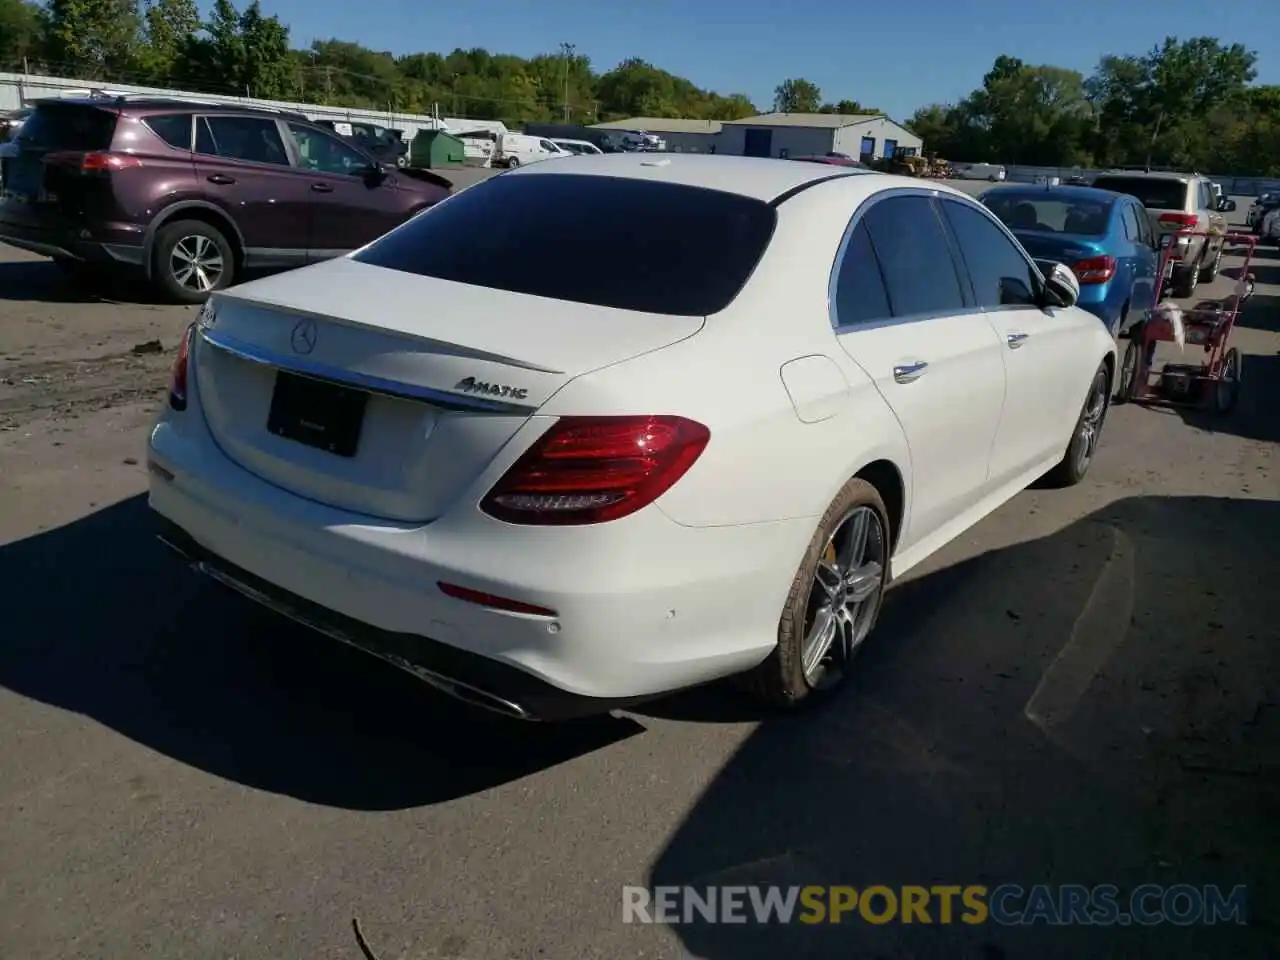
[(1090, 428), (844, 597), (196, 263)]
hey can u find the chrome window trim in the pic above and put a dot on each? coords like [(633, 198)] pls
[(367, 383), (833, 279)]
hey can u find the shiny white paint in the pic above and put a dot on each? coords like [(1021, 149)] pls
[(681, 592)]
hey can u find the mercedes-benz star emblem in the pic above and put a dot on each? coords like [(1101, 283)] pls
[(303, 337)]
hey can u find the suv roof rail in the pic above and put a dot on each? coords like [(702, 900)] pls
[(1190, 171)]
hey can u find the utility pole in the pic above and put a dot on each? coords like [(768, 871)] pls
[(566, 49)]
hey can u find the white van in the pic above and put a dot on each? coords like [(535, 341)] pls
[(981, 171), (581, 147), (514, 149)]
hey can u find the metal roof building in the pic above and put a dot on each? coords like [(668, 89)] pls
[(863, 136)]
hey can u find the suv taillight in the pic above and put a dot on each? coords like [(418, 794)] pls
[(107, 162), (1181, 220), (1094, 270), (178, 382), (595, 469)]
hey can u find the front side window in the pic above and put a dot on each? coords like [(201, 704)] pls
[(686, 251), (1001, 275), (251, 139), (915, 256), (322, 153)]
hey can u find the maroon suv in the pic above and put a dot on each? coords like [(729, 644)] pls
[(191, 194)]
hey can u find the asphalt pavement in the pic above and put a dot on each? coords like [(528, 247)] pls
[(1082, 689)]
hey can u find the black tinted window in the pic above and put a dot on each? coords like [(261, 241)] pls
[(173, 128), (1151, 192), (1001, 275), (860, 292), (1130, 219), (914, 256), (254, 139), (632, 244), (69, 127)]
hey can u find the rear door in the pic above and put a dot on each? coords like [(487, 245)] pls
[(351, 204), (1036, 345), (902, 315), (245, 169)]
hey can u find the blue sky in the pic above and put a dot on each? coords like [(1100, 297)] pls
[(894, 54)]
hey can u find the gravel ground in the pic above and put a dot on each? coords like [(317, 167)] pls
[(1082, 689)]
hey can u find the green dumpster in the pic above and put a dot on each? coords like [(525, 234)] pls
[(435, 148)]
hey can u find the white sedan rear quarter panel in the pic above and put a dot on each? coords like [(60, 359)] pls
[(763, 462)]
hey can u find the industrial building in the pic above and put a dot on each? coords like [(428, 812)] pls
[(682, 136), (862, 137)]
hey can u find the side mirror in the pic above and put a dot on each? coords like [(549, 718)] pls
[(374, 174), (1061, 286)]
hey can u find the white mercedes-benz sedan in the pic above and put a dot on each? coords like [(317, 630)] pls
[(553, 466)]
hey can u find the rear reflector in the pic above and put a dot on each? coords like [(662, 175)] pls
[(1094, 270), (595, 469), (492, 601)]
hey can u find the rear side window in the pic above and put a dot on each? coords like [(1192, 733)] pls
[(173, 128), (861, 296), (612, 242), (915, 256), (69, 127), (1151, 192), (1130, 219), (253, 139)]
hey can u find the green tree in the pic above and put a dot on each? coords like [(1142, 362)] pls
[(168, 26), (797, 95), (92, 38), (22, 30)]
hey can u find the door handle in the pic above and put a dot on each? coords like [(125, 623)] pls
[(220, 178), (322, 188), (1017, 339), (908, 372)]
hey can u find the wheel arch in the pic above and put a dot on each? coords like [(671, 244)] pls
[(202, 211), (886, 477)]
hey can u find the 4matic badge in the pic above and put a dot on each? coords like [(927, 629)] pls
[(472, 385)]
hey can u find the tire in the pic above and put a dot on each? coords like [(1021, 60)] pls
[(402, 161), (513, 162), (1227, 392), (1210, 273), (177, 243), (1083, 445), (1128, 368), (1184, 281), (782, 680)]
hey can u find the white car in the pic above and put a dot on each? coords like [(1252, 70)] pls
[(702, 449)]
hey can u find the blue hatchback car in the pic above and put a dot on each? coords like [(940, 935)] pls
[(1104, 237)]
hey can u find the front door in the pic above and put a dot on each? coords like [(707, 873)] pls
[(1041, 404), (242, 166), (757, 143), (903, 317), (351, 206)]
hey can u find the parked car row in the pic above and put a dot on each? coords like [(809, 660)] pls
[(191, 195)]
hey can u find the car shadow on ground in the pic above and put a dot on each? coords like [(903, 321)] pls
[(42, 281), (1256, 415), (101, 619), (1098, 706), (1260, 312)]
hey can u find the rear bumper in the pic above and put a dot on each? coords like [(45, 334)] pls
[(52, 235), (643, 606)]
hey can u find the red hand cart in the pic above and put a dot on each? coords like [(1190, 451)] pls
[(1206, 327)]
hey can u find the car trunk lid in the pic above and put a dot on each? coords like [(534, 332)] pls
[(405, 395)]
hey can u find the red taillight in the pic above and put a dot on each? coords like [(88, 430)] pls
[(178, 382), (1094, 270), (1180, 220), (107, 162), (493, 601), (595, 469)]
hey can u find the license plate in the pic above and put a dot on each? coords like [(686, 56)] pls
[(318, 414)]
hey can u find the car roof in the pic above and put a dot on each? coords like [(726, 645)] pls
[(1062, 191), (756, 177), (1151, 175)]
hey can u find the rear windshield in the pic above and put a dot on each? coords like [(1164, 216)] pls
[(1150, 191), (1035, 211), (69, 127), (612, 242)]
